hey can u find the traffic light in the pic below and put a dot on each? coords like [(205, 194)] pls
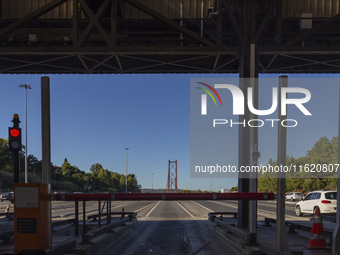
[(14, 135)]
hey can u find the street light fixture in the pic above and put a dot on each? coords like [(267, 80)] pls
[(126, 170), (25, 86)]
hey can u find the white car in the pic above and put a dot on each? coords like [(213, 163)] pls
[(326, 201), (293, 196)]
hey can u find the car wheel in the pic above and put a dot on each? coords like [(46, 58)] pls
[(298, 211), (291, 199)]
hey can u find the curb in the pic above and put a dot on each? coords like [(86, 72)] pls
[(236, 245), (102, 243)]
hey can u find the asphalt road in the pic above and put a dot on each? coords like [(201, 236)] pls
[(181, 227), (169, 227), (191, 210)]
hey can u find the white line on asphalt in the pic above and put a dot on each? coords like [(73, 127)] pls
[(209, 210), (145, 207), (192, 216), (153, 208), (261, 212), (220, 203)]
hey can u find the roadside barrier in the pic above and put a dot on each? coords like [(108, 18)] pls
[(317, 237), (8, 207)]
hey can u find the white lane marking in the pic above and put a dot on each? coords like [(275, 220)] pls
[(153, 208), (145, 207), (220, 203), (260, 211), (205, 208), (192, 216)]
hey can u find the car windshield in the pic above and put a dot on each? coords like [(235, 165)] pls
[(331, 195)]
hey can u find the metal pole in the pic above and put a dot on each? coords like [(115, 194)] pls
[(108, 214), (46, 130), (336, 233), (46, 141), (244, 131), (76, 216), (16, 159), (281, 234), (126, 169), (84, 218), (25, 86), (110, 211), (99, 214), (152, 182), (255, 153), (26, 147)]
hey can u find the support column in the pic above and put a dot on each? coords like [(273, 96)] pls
[(255, 154), (281, 233), (248, 69), (46, 143), (336, 233), (46, 130)]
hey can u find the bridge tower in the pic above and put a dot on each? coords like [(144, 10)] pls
[(171, 185)]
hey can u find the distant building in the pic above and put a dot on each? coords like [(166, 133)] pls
[(225, 190)]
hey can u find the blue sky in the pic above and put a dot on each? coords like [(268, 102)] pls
[(94, 117)]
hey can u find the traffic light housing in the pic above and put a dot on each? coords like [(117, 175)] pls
[(14, 135)]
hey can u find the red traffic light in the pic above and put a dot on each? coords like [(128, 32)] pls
[(14, 132)]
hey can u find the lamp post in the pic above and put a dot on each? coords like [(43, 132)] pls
[(152, 181), (126, 170), (25, 86)]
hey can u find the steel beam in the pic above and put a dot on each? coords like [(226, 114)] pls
[(114, 22), (279, 23), (75, 23), (94, 22), (307, 33), (35, 14), (233, 20), (265, 20), (170, 22)]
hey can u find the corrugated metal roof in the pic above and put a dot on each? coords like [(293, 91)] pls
[(16, 9), (318, 8)]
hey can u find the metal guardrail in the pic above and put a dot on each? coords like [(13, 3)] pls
[(9, 216), (244, 234), (122, 215), (213, 215), (86, 238), (63, 222), (292, 226)]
